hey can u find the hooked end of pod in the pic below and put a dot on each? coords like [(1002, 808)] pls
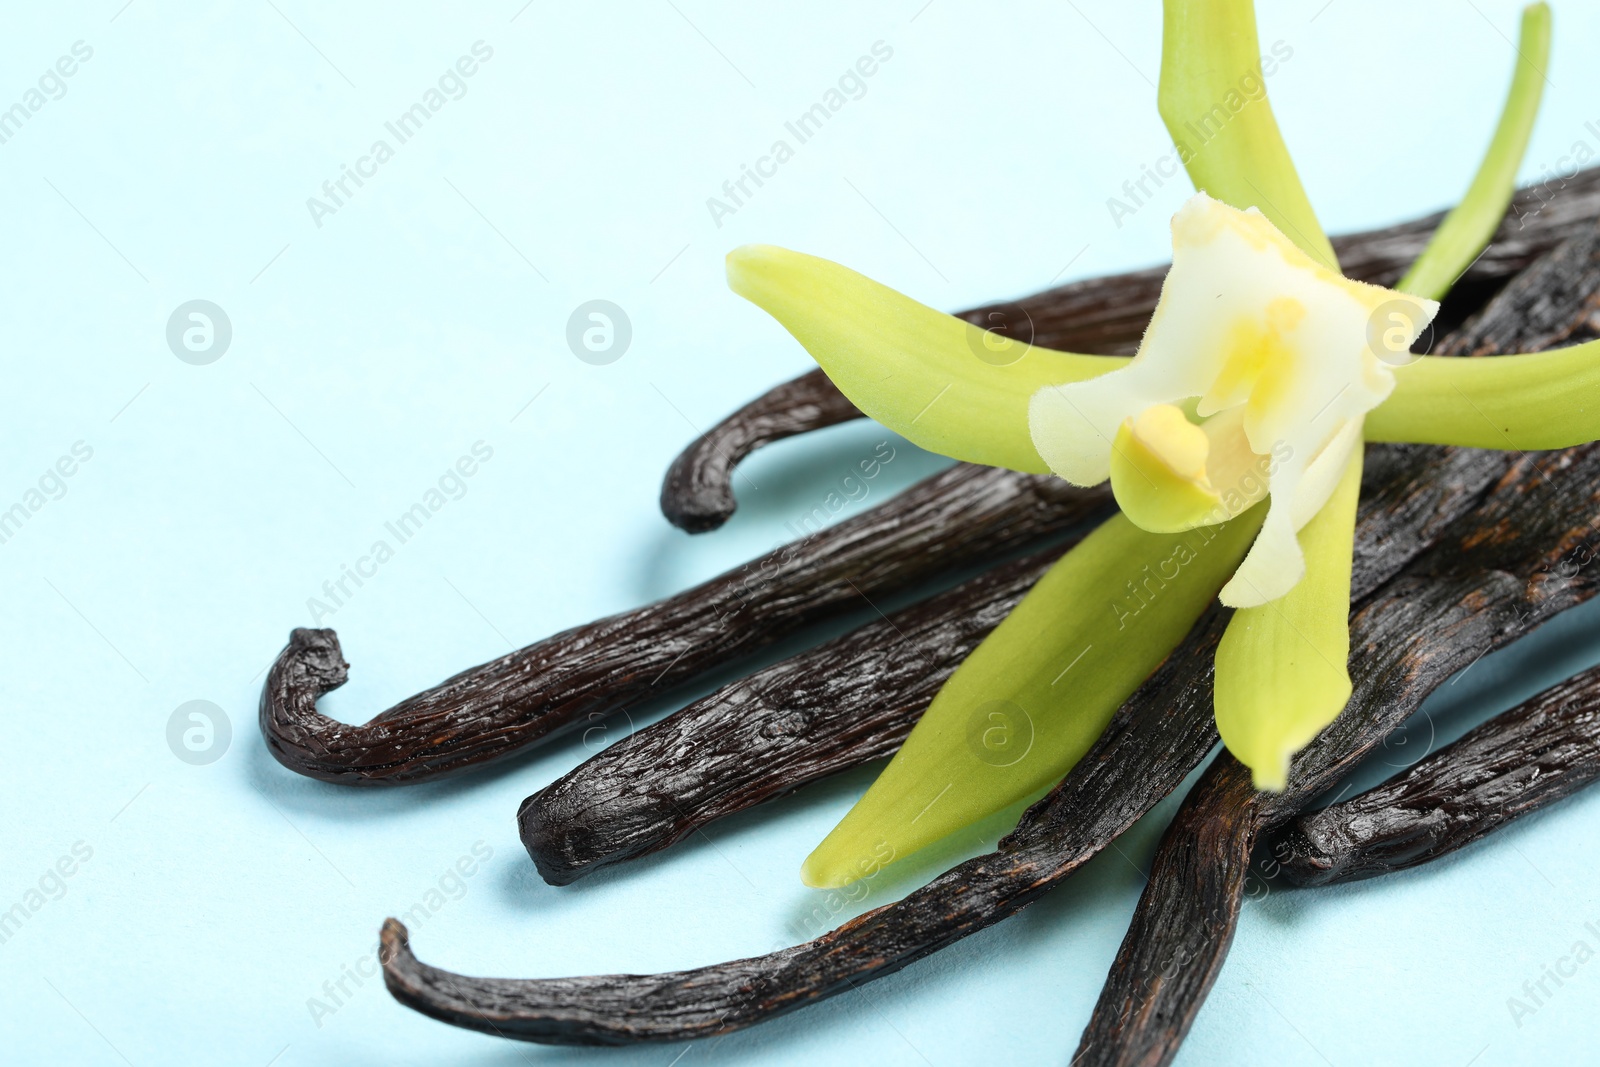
[(316, 657), (310, 665)]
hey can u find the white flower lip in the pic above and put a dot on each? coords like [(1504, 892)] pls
[(1278, 348)]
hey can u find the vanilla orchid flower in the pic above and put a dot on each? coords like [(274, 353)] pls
[(1280, 357), (1233, 442)]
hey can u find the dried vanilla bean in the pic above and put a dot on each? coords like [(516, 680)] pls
[(832, 707), (962, 516), (1107, 315), (697, 494), (1520, 761)]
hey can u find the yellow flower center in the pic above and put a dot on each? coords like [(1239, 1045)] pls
[(1254, 377)]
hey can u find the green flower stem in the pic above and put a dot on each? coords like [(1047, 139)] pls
[(1544, 400), (1038, 692), (939, 381), (1471, 223), (1281, 673), (1213, 100)]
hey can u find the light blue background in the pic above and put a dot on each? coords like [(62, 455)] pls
[(372, 351)]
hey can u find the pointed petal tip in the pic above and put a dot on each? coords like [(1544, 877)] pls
[(742, 263), (1272, 778), (1254, 586), (816, 873)]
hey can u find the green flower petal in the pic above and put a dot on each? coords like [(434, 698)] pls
[(1034, 696), (1213, 100), (1544, 400), (937, 380), (1471, 223), (1281, 672)]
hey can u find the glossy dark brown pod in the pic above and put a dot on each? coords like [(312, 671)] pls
[(965, 515), (1518, 762), (1107, 315), (827, 709), (697, 494), (1190, 907)]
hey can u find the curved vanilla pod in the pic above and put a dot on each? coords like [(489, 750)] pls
[(965, 515), (1518, 762), (1107, 315), (829, 708), (697, 493), (1465, 591)]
